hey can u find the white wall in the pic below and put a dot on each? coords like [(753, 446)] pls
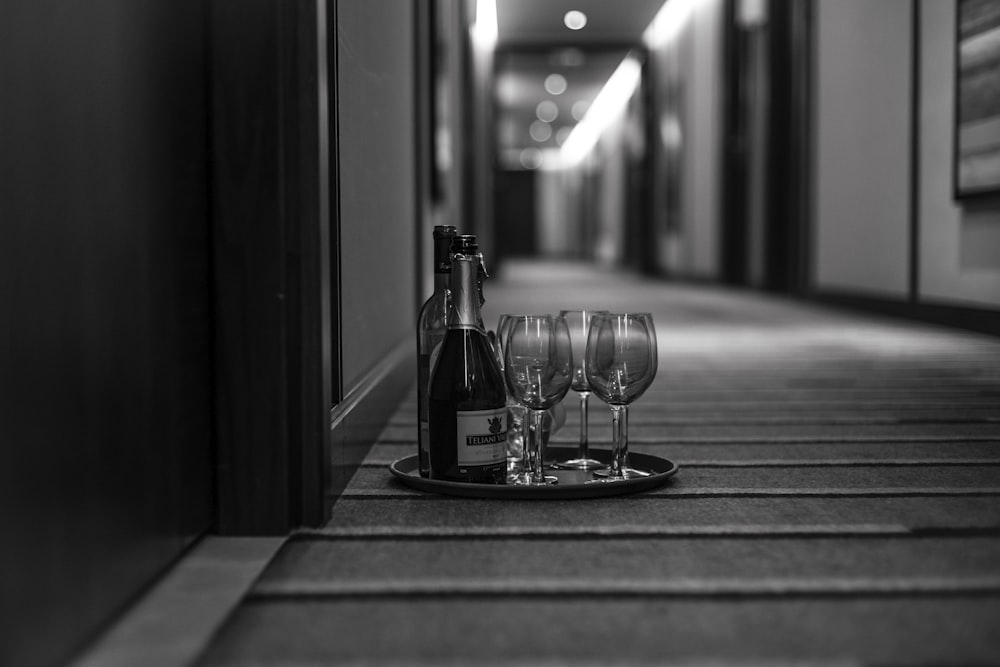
[(377, 198), (702, 189), (862, 149), (959, 243), (686, 145), (609, 247)]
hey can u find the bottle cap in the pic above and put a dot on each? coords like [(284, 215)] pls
[(465, 244), (445, 231), (443, 234)]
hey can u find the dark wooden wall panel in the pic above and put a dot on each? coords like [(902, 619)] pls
[(514, 215), (105, 341), (273, 276), (249, 268)]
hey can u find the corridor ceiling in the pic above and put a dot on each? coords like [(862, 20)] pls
[(534, 23), (533, 43)]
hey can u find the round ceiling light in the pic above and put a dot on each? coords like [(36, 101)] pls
[(547, 110), (540, 131), (575, 20), (555, 84), (531, 158)]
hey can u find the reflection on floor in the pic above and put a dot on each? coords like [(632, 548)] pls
[(838, 500)]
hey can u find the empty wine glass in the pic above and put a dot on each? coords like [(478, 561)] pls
[(517, 454), (621, 364), (578, 323), (538, 365)]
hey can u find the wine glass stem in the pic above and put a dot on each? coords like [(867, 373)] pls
[(584, 452), (515, 431), (535, 435), (619, 446)]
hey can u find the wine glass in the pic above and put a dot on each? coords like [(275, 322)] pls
[(538, 365), (578, 323), (517, 458), (620, 366)]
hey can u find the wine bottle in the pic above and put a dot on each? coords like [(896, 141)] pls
[(432, 325), (467, 395)]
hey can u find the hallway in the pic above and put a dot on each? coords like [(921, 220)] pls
[(837, 502), (218, 230)]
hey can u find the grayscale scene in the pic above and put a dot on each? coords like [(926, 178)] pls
[(499, 332)]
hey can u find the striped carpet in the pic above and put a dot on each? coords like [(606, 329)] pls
[(838, 502)]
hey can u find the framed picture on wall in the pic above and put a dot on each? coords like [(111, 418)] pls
[(977, 98)]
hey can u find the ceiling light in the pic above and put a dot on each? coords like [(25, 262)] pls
[(609, 103), (540, 131), (555, 84), (484, 31), (531, 158), (547, 110), (668, 22), (575, 20), (579, 109), (569, 57)]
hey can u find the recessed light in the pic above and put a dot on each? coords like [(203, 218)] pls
[(568, 57), (540, 131), (575, 20), (531, 158), (555, 84), (547, 110)]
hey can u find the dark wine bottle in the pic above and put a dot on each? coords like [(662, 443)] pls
[(467, 396), (432, 325)]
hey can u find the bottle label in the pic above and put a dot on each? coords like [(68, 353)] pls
[(481, 437)]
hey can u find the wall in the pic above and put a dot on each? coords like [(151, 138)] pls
[(865, 205), (378, 209), (862, 146), (702, 162), (105, 346), (684, 62), (959, 241)]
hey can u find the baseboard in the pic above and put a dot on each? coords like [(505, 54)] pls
[(357, 421), (174, 622)]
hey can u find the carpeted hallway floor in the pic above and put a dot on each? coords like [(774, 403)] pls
[(838, 502)]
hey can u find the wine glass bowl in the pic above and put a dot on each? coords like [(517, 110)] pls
[(621, 363), (538, 367)]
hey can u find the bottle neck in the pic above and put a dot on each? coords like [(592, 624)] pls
[(464, 312), (442, 253), (442, 262)]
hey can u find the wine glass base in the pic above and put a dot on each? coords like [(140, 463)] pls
[(525, 479), (578, 464), (627, 473)]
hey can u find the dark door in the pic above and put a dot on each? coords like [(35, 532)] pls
[(106, 336)]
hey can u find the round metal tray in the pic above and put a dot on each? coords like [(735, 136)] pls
[(572, 483)]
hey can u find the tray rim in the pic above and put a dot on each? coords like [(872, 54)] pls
[(666, 468)]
